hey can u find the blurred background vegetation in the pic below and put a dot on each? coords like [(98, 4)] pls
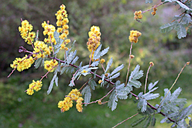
[(115, 19)]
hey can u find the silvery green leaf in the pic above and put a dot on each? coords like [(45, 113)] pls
[(174, 114), (147, 122), (75, 60), (58, 45), (122, 91), (125, 90), (78, 76), (153, 89), (148, 1), (71, 84), (119, 86), (153, 121), (136, 74), (72, 69), (109, 64), (51, 83), (115, 76), (103, 77), (113, 100), (140, 94), (173, 125), (94, 74), (63, 70), (144, 108), (75, 76), (151, 85), (103, 52), (80, 65), (181, 31), (56, 36), (135, 123), (169, 0), (163, 120), (70, 57), (117, 83), (97, 51), (73, 44), (50, 86), (177, 17), (93, 84), (38, 62), (58, 67), (175, 94), (56, 81), (87, 94), (136, 69), (134, 83), (168, 27), (190, 123), (95, 63), (172, 107), (151, 96), (186, 19), (67, 53), (182, 124), (183, 6), (85, 73), (186, 112), (117, 69), (56, 51), (122, 96), (37, 36), (168, 93), (180, 101), (158, 109)]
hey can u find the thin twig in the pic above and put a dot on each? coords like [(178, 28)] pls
[(155, 6), (174, 82), (147, 78), (125, 120), (48, 72), (128, 64), (85, 83), (90, 58), (11, 72), (101, 98)]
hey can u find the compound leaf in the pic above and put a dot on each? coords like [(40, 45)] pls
[(113, 100), (87, 94)]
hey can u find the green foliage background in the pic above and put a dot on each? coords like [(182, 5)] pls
[(115, 18)]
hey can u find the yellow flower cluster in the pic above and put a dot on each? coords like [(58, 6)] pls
[(151, 63), (22, 63), (50, 65), (62, 22), (79, 104), (68, 101), (100, 81), (49, 30), (41, 49), (63, 45), (138, 15), (132, 56), (94, 39), (154, 11), (34, 86), (26, 33), (102, 61), (134, 36)]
